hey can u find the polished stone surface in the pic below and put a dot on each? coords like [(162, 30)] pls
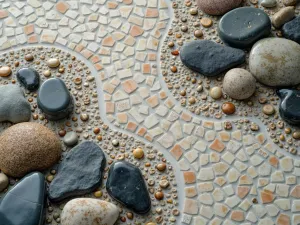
[(210, 58), (289, 107), (79, 173), (291, 30), (24, 202), (126, 184), (242, 27), (54, 99), (29, 78)]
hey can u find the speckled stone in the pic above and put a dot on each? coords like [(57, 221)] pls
[(239, 84), (289, 107), (88, 211), (29, 78), (291, 30), (13, 106), (250, 25), (210, 58), (275, 62), (24, 202), (125, 184), (79, 173), (28, 147), (54, 99), (217, 7)]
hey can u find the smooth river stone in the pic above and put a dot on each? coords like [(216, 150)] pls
[(126, 185), (283, 16), (29, 78), (27, 147), (53, 63), (218, 7), (242, 27), (275, 62), (24, 202), (291, 30), (5, 71), (209, 58), (289, 107), (54, 99), (88, 211), (79, 173), (13, 105), (269, 3)]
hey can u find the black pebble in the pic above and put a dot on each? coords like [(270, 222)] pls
[(289, 107), (29, 78), (291, 30)]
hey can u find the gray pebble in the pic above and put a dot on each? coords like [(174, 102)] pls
[(71, 138)]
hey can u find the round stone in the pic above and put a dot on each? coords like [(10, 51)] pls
[(47, 73), (115, 142), (193, 11), (215, 92), (53, 63), (206, 22), (138, 153), (29, 57), (296, 135), (198, 33), (29, 78), (5, 71), (250, 25), (268, 66), (268, 109), (3, 182), (27, 147), (217, 7), (228, 108), (164, 183), (71, 138), (239, 84), (161, 166)]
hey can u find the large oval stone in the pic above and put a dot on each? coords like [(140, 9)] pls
[(24, 202), (29, 78), (217, 7), (291, 30), (88, 211), (210, 58), (275, 62), (28, 147), (79, 173), (125, 184), (242, 27), (289, 107), (54, 99)]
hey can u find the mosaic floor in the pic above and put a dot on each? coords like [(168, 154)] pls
[(127, 76)]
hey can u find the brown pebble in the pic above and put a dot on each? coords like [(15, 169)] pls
[(138, 153), (296, 135), (173, 69), (206, 22), (62, 133), (84, 117), (96, 130), (99, 138), (171, 44), (287, 130), (17, 64), (268, 109), (123, 219), (228, 108), (29, 57), (129, 215), (5, 71), (159, 195), (198, 33), (161, 166)]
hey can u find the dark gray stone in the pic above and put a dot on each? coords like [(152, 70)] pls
[(79, 173), (54, 99), (29, 78), (242, 27), (24, 203), (209, 58), (126, 185), (291, 30), (289, 107)]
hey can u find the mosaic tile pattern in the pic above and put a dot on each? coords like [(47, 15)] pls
[(232, 171)]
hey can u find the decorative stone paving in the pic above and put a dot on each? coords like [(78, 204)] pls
[(228, 170)]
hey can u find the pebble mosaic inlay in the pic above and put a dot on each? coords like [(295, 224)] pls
[(227, 161)]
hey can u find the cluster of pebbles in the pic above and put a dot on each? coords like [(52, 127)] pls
[(83, 124), (227, 93)]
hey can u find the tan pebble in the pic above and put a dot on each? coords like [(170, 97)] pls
[(151, 223), (53, 63), (29, 57), (296, 135), (192, 100), (206, 22), (129, 215), (283, 16), (47, 73), (193, 11), (164, 183), (289, 2), (5, 71), (98, 194), (254, 1), (198, 33), (84, 117), (287, 130), (50, 178), (138, 153), (268, 109), (161, 166), (215, 92)]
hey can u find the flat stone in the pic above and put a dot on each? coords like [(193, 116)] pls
[(267, 65), (289, 107), (13, 106), (54, 99), (250, 25), (79, 173), (291, 30), (217, 7), (210, 58), (27, 147), (71, 138), (29, 78), (126, 185), (86, 211), (21, 203)]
